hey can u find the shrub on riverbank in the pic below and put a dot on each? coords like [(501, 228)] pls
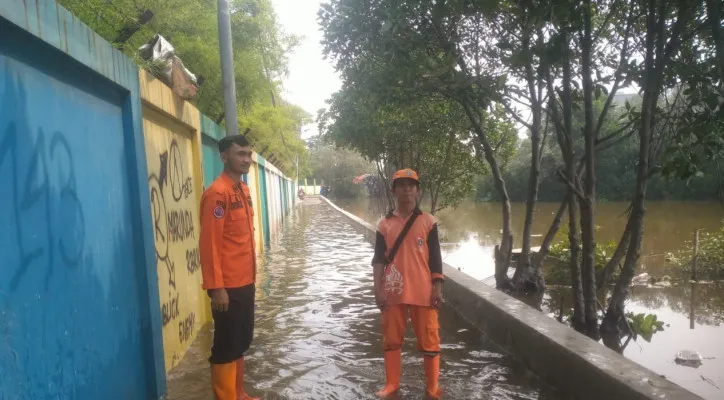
[(710, 259), (710, 262), (556, 268)]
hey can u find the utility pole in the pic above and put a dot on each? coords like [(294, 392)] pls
[(227, 67)]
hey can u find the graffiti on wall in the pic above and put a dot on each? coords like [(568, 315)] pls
[(43, 198), (175, 214)]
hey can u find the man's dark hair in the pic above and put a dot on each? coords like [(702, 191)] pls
[(228, 141)]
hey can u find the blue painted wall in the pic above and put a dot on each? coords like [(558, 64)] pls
[(210, 136), (78, 286)]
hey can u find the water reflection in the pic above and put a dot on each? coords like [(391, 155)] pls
[(693, 314), (318, 334), (669, 224), (684, 299)]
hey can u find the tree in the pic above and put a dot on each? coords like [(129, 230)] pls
[(662, 43), (337, 167), (424, 47), (260, 57), (427, 134)]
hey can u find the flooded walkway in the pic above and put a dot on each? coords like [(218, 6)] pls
[(317, 329)]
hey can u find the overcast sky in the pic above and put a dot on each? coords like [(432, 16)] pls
[(311, 79)]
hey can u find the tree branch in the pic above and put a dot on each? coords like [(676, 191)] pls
[(574, 188), (608, 145), (618, 75), (617, 132), (516, 116)]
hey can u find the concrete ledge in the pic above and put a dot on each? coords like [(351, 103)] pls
[(565, 359)]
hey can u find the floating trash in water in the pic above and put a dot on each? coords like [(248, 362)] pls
[(688, 358), (642, 278), (709, 381)]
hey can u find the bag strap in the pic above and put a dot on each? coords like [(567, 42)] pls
[(402, 235)]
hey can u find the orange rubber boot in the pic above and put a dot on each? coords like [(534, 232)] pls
[(393, 371), (223, 379), (432, 372), (240, 393)]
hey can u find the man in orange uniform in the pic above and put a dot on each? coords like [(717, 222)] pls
[(411, 282), (228, 265)]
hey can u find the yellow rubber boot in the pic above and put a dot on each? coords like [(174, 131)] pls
[(240, 393), (432, 373), (393, 371), (223, 380)]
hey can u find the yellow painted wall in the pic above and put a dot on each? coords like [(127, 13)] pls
[(173, 141)]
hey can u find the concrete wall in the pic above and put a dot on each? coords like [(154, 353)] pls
[(172, 131), (79, 315), (565, 359)]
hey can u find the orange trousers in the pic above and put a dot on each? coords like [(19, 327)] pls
[(424, 323)]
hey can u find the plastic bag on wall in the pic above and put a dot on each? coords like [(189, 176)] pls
[(168, 67)]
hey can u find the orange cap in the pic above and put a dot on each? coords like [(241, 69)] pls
[(405, 174)]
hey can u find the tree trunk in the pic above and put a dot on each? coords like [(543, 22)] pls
[(444, 173), (503, 252), (714, 12), (433, 201), (389, 201), (657, 57), (616, 258), (588, 203), (527, 277), (551, 234), (565, 141), (578, 320)]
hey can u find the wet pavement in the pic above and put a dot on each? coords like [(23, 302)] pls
[(318, 336)]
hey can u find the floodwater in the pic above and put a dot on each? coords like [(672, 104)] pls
[(693, 313), (318, 336), (470, 231)]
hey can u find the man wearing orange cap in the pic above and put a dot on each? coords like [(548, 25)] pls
[(408, 281), (228, 266)]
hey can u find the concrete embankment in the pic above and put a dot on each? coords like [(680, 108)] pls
[(564, 358)]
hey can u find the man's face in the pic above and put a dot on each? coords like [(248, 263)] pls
[(237, 158), (406, 191)]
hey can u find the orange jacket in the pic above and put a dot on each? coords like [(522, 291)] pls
[(226, 244)]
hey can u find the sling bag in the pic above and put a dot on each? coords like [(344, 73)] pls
[(401, 237)]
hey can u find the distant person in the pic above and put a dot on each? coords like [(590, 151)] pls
[(301, 193), (323, 191), (228, 266), (408, 281)]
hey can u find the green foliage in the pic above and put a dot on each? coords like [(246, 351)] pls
[(556, 268), (698, 126), (337, 167), (615, 167), (405, 102), (427, 133), (260, 59), (710, 259), (644, 325)]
